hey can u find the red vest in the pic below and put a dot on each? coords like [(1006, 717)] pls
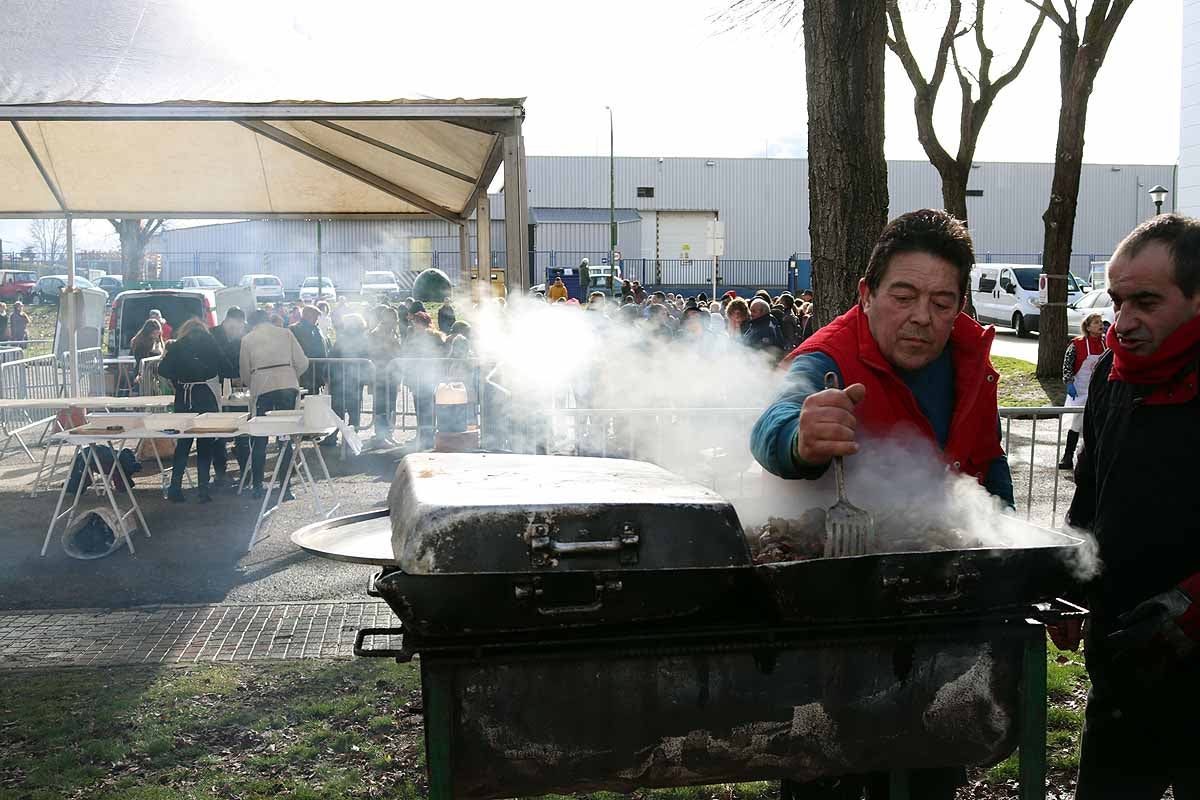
[(973, 442)]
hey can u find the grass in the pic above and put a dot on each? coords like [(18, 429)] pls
[(1066, 692), (331, 730), (1020, 385)]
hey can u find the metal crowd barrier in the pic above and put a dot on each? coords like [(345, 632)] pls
[(345, 380), (667, 436), (42, 378), (408, 386)]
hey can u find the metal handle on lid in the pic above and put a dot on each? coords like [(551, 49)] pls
[(839, 470)]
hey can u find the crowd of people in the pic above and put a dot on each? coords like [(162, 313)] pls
[(14, 325), (773, 325)]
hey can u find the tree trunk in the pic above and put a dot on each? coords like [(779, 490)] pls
[(954, 200), (134, 237), (844, 46), (1059, 217)]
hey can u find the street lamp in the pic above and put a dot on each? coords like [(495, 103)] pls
[(612, 196), (1158, 194)]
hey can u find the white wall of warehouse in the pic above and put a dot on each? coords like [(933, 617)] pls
[(764, 202), (1188, 190)]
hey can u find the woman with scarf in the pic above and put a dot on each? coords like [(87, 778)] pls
[(1078, 363), (192, 363)]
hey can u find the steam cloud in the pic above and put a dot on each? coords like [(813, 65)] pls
[(555, 356)]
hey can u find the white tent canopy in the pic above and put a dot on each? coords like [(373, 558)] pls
[(189, 159), (90, 127)]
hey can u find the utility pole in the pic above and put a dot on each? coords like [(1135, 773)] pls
[(612, 196)]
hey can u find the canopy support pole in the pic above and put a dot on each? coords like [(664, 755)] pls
[(464, 251), (516, 211), (320, 281), (70, 295), (483, 237)]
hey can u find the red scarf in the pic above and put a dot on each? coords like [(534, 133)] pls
[(1164, 368)]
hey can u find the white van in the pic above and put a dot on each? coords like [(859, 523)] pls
[(130, 310), (1007, 295), (266, 288)]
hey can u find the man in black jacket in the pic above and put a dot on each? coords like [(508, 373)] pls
[(312, 342), (1136, 492), (228, 336), (761, 333)]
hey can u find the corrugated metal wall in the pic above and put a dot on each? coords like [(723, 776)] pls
[(1188, 192), (764, 202)]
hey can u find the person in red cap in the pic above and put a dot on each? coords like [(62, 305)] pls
[(1136, 492)]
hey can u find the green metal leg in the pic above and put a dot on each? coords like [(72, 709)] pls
[(898, 785), (438, 688), (1033, 717)]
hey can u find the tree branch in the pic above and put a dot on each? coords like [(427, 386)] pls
[(152, 227), (1012, 74), (1047, 7)]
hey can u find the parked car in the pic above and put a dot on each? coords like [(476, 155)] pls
[(200, 282), (266, 288), (380, 284), (113, 284), (131, 309), (49, 287), (309, 293), (1091, 303), (17, 284), (1007, 294)]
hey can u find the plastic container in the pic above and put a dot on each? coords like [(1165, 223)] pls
[(169, 422)]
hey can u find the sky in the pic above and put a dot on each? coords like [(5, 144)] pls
[(679, 81)]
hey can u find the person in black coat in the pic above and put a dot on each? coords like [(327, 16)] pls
[(192, 363), (761, 333), (1135, 492), (312, 342), (346, 380), (228, 336)]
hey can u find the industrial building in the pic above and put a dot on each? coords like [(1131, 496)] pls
[(663, 210)]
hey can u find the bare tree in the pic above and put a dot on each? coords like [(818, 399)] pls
[(844, 52), (48, 237), (978, 92), (135, 234), (1080, 59)]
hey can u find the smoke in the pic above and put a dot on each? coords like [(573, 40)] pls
[(694, 401)]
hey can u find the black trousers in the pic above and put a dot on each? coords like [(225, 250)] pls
[(200, 400), (220, 455), (1135, 750), (277, 400)]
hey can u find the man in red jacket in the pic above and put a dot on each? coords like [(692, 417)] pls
[(912, 364), (1136, 492), (909, 360)]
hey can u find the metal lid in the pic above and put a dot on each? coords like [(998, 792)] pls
[(489, 512)]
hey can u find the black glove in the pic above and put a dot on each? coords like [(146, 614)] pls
[(1151, 645)]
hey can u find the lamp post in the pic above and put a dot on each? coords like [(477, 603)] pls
[(1158, 194), (612, 195)]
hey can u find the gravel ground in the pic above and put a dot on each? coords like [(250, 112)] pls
[(197, 553)]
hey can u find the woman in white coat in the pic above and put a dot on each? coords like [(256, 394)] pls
[(1078, 363)]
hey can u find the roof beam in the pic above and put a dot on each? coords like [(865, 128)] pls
[(231, 215), (396, 151), (232, 112), (37, 162), (485, 178), (348, 168)]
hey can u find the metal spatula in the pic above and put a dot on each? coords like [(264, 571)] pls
[(847, 527)]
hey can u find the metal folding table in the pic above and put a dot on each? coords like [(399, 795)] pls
[(299, 436)]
